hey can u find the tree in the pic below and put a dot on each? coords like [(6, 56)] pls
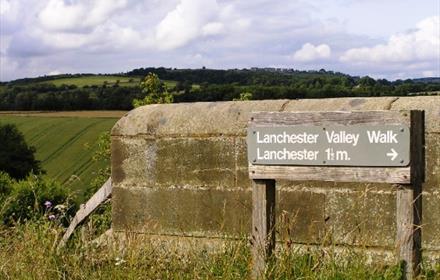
[(16, 157), (155, 91)]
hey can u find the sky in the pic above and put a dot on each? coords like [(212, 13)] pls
[(392, 39)]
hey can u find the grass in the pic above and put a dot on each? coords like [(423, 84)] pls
[(28, 251), (65, 146), (97, 80)]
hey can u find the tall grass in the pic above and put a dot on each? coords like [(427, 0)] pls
[(28, 251)]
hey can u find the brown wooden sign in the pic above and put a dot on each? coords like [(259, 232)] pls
[(395, 132)]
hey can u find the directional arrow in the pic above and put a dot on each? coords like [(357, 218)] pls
[(393, 154)]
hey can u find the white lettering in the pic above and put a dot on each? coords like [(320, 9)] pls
[(342, 137), (285, 138), (377, 136), (285, 154)]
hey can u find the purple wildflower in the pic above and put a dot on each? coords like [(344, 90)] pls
[(48, 204), (52, 217)]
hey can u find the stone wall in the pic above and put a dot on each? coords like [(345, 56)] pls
[(181, 170)]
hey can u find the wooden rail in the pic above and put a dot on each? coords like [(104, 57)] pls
[(86, 209)]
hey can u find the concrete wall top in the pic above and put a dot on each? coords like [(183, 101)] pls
[(230, 118)]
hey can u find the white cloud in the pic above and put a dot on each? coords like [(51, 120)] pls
[(38, 36), (186, 22), (5, 7), (309, 52), (420, 44), (428, 73), (213, 28), (80, 15), (54, 72)]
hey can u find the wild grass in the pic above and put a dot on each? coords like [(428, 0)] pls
[(28, 251)]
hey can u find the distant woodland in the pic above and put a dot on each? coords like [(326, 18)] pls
[(193, 85)]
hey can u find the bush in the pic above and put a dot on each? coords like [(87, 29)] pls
[(5, 185), (34, 197)]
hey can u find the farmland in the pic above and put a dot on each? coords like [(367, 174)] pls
[(100, 80), (97, 80), (65, 145)]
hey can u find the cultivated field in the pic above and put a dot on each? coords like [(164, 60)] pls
[(96, 80), (79, 114), (65, 145)]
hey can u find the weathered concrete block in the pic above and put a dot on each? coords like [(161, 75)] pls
[(340, 104), (431, 221), (242, 179), (134, 161), (432, 159), (363, 218), (196, 162), (192, 119), (431, 105), (301, 216), (211, 212), (174, 162), (195, 212)]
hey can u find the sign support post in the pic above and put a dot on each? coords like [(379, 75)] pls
[(409, 203), (370, 146), (263, 224)]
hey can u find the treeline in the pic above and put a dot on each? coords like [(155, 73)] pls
[(205, 85), (67, 97), (275, 77)]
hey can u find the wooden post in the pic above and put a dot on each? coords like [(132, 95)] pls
[(263, 223), (409, 203)]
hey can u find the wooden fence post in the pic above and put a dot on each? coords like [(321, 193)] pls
[(409, 203), (263, 224)]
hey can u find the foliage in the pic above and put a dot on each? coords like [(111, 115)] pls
[(29, 200), (5, 185), (244, 96), (67, 97), (101, 219), (155, 91), (16, 157), (101, 155), (35, 242)]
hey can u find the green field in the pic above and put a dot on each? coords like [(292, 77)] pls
[(98, 80), (65, 146)]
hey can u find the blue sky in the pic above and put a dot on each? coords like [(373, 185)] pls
[(382, 38)]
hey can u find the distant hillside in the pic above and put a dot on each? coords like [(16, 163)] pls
[(427, 80), (116, 92)]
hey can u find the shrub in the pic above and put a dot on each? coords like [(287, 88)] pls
[(5, 185), (34, 197)]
